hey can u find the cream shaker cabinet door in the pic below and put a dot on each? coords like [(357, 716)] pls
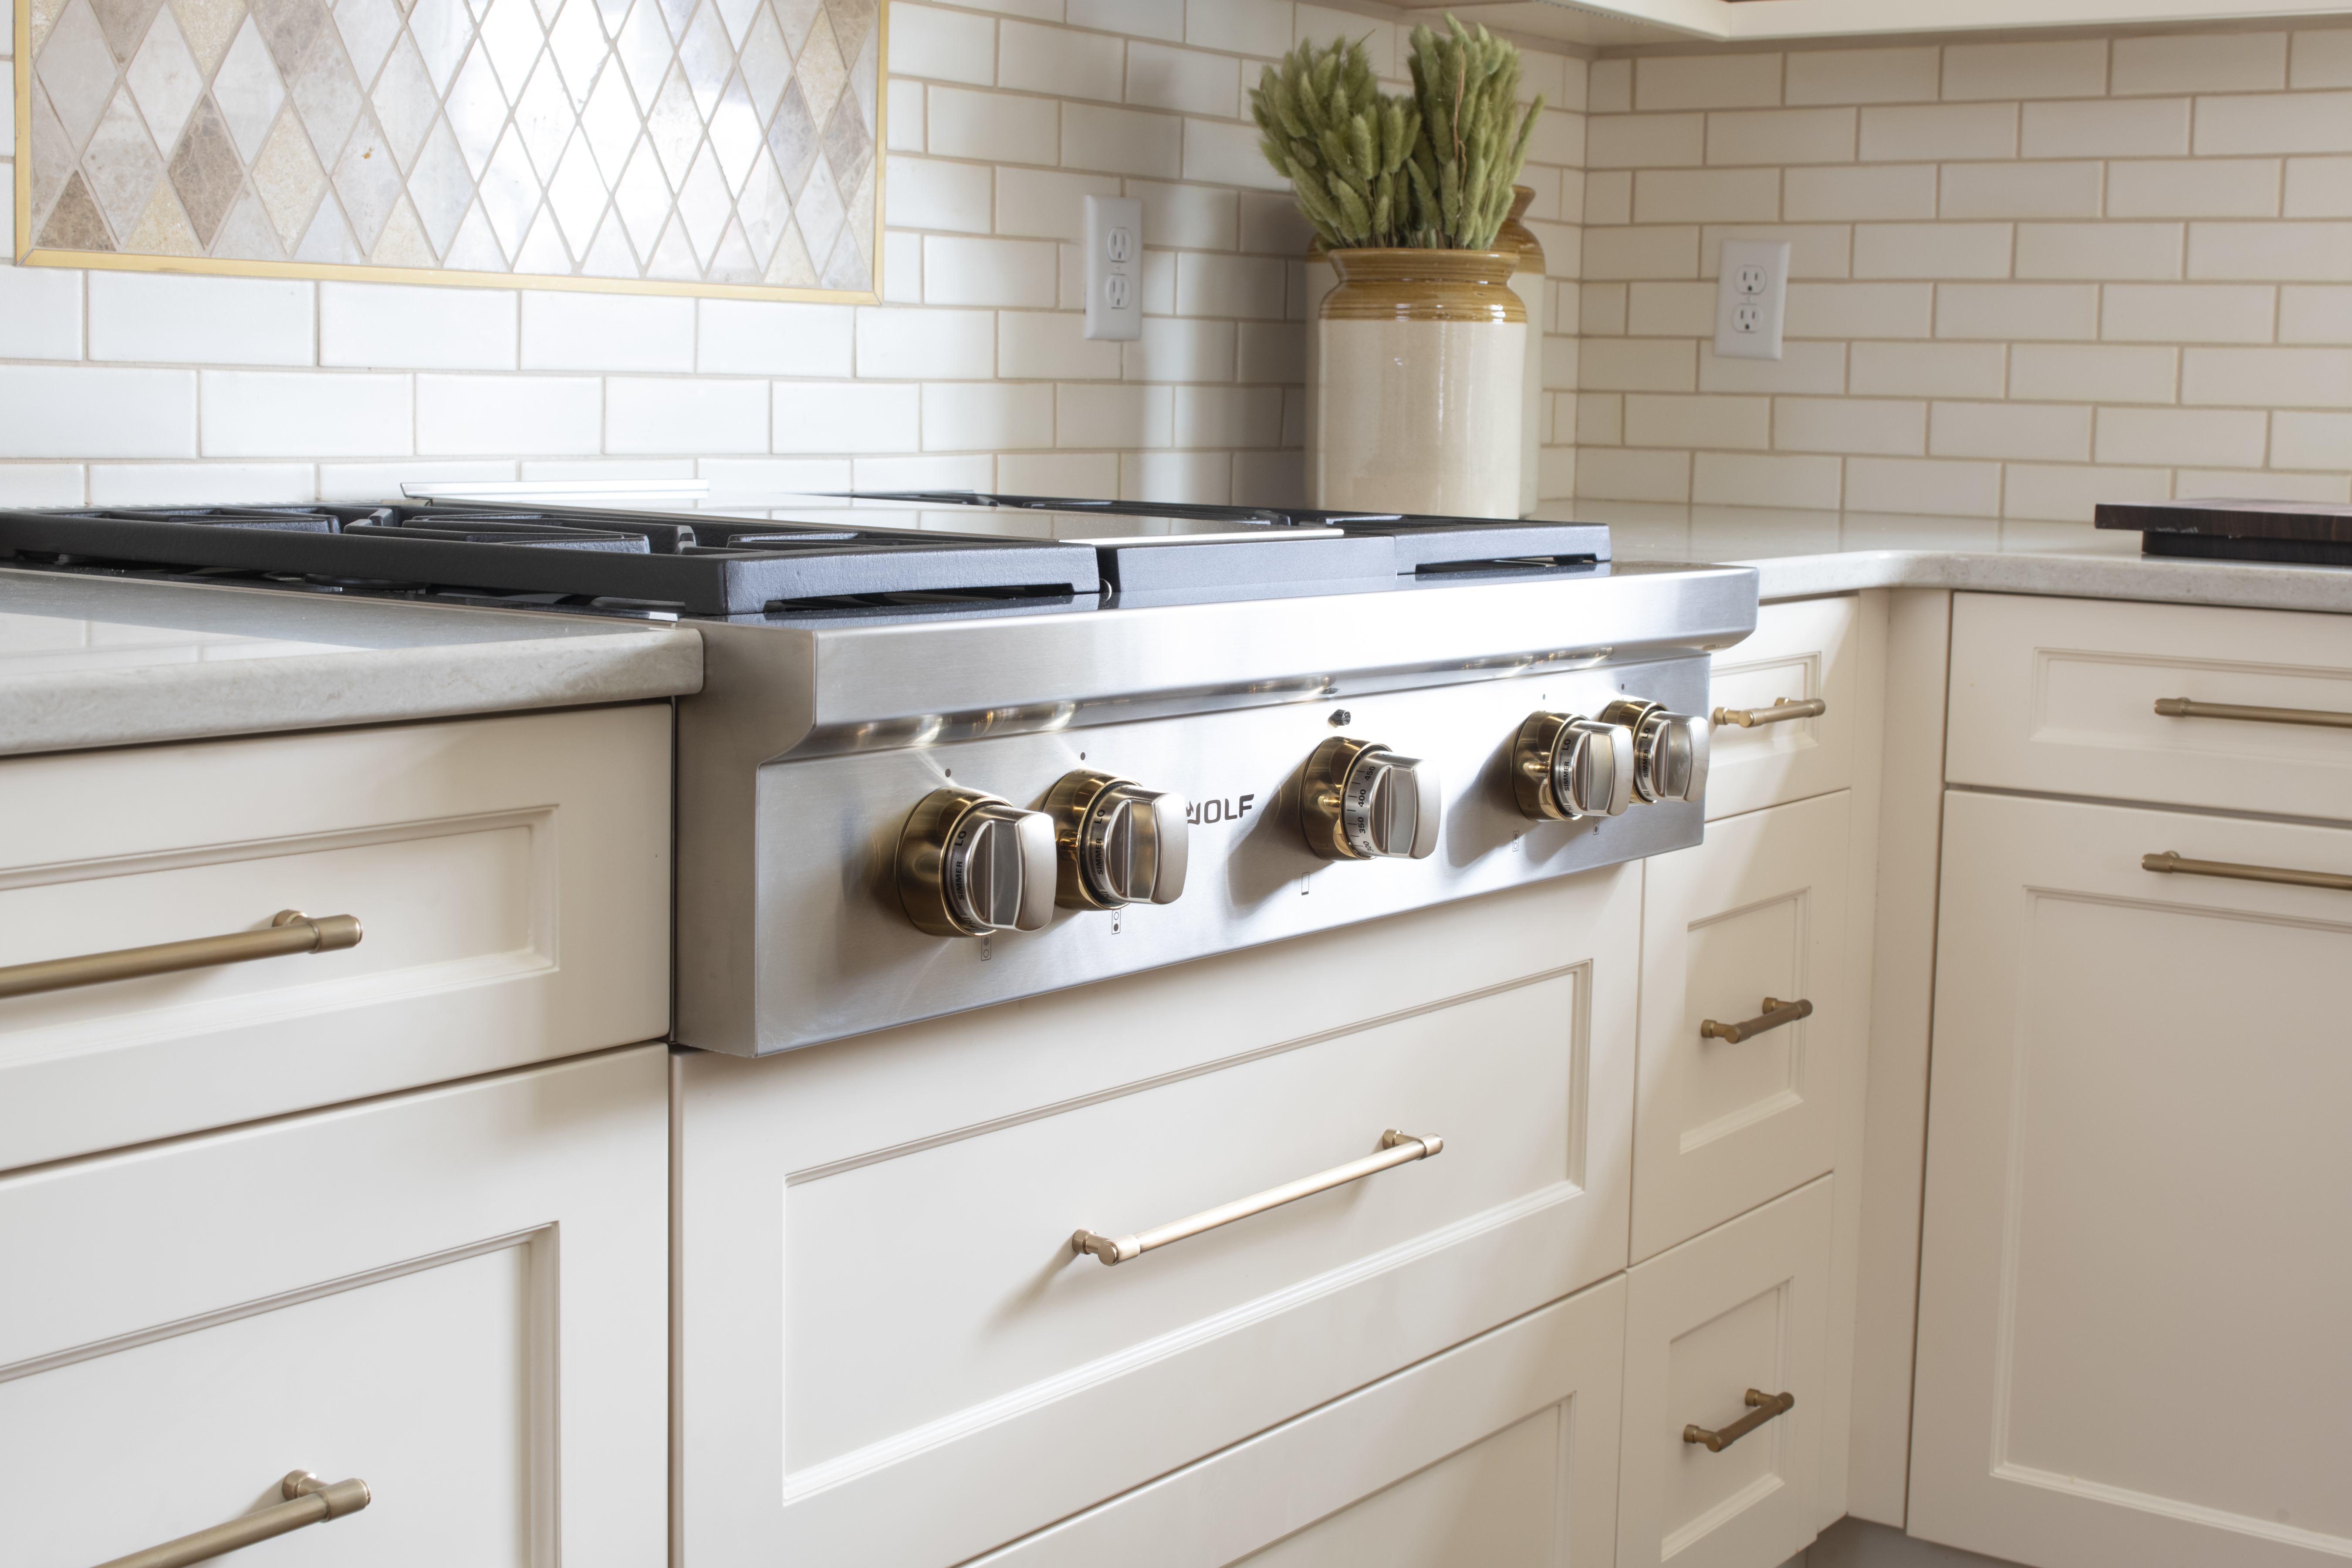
[(2136, 1270), (1724, 1368), (455, 1296), (1741, 1089), (1803, 652)]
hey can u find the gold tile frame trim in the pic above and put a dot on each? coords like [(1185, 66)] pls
[(431, 277)]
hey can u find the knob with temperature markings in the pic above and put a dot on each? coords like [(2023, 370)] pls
[(1669, 749), (1359, 801), (1117, 843), (1564, 766), (970, 864)]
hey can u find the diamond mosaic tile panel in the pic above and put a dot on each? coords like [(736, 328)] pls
[(686, 141)]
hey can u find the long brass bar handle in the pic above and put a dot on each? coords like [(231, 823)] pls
[(2172, 863), (1396, 1149), (289, 931), (308, 1500), (1764, 1407), (2182, 707), (1776, 1012), (1782, 708)]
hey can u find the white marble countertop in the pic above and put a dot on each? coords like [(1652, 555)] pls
[(95, 661), (1800, 554)]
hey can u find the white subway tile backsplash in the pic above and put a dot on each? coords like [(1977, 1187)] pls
[(1060, 473), (2275, 122), (987, 416), (2321, 58), (1931, 250), (1271, 225), (1804, 367), (755, 337), (40, 315), (2093, 372), (201, 484), (1859, 310), (2318, 187), (157, 316), (381, 481), (1781, 136), (2015, 311), (2300, 440), (2020, 190), (1041, 345), (1657, 252), (1598, 419), (1638, 365), (2268, 484), (2268, 378), (1251, 287), (675, 414), (999, 127), (926, 193), (926, 345), (2049, 432), (1272, 352), (1923, 485), (1228, 416), (1926, 132), (930, 473), (1881, 427), (1200, 478), (2213, 437), (812, 475), (858, 416), (2188, 313), (1706, 196), (1258, 27), (2193, 187), (960, 269), (1141, 18), (1608, 86), (1737, 478), (1644, 141), (1618, 473), (1173, 351), (1815, 250), (390, 326), (1602, 309), (2122, 251), (1279, 479), (606, 331), (41, 484), (1059, 61), (1862, 76), (1160, 76), (1878, 191), (1609, 196), (2053, 494), (902, 116), (1652, 420), (2111, 128), (502, 416), (2199, 62), (1114, 417), (2075, 68), (293, 414), (1558, 138), (941, 43), (2283, 252), (1123, 142), (1189, 217), (1706, 81), (1044, 204), (1671, 311), (1928, 370), (2314, 314), (1226, 155)]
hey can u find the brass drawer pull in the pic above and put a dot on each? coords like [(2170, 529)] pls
[(308, 1500), (290, 931), (2172, 863), (1782, 708), (1766, 1406), (1396, 1149), (1776, 1012), (2182, 707)]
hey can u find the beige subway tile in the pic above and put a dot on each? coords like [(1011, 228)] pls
[(1671, 311), (1732, 478), (1121, 140), (1861, 76), (1706, 81), (1815, 250), (2009, 430), (1735, 422), (1561, 362), (2187, 312), (1781, 136), (1706, 196), (1191, 217), (1922, 485), (1639, 364), (1861, 309), (1871, 425), (2315, 314), (2068, 494), (2310, 440), (2212, 437), (1603, 309), (2193, 187), (1609, 196), (1928, 370), (1599, 418), (1541, 71), (1237, 27), (2092, 372), (1644, 141), (1807, 367), (2020, 190), (2199, 62), (2275, 122), (1044, 204), (1933, 132), (1882, 191), (2194, 484), (1608, 86), (1558, 138), (1063, 61), (2268, 377), (948, 46), (2318, 187), (1615, 473), (2321, 59), (2286, 252), (2007, 311), (1661, 252), (1931, 250), (2118, 251), (2073, 68), (1000, 127), (2110, 127)]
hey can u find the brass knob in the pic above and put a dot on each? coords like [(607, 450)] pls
[(1669, 749), (970, 864), (1359, 801), (1117, 842), (1565, 766)]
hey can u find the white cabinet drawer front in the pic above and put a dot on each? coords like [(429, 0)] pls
[(377, 1292), (2058, 696), (951, 1374), (1501, 1452), (1757, 912), (1742, 1308), (511, 876), (1802, 649), (2135, 1271)]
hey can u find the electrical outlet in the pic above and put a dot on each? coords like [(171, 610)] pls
[(1751, 296), (1114, 267)]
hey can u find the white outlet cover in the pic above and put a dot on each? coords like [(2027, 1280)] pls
[(1114, 267), (1751, 296)]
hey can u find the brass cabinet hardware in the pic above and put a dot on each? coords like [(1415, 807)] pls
[(2172, 863), (288, 931), (1782, 708), (2182, 707), (308, 1500), (1396, 1149), (1763, 1408), (1776, 1012)]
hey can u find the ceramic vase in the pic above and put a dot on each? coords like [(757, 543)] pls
[(1528, 282)]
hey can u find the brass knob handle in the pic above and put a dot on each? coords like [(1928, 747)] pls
[(1776, 1012), (308, 1500), (1359, 801), (1763, 1407), (1783, 710), (970, 864), (1670, 750), (1119, 843), (1564, 766)]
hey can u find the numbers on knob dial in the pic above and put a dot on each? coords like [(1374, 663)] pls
[(1117, 842), (1565, 766), (1359, 801), (970, 864)]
